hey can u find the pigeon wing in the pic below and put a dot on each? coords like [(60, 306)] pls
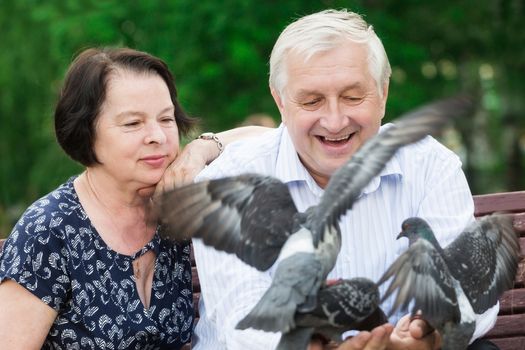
[(347, 304), (343, 304), (248, 215), (420, 274), (484, 259), (347, 182)]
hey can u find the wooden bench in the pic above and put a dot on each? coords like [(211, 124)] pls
[(509, 331)]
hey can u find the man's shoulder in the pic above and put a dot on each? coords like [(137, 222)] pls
[(255, 154), (426, 152)]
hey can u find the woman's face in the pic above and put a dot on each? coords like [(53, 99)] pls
[(136, 133)]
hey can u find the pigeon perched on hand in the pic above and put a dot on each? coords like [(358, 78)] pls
[(254, 217), (349, 304), (448, 286)]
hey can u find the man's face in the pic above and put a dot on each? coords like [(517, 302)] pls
[(331, 106)]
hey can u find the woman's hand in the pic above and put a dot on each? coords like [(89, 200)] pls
[(199, 152), (188, 163)]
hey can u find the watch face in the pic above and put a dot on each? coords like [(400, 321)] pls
[(207, 136)]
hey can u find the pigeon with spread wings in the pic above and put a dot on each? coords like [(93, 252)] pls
[(254, 217), (450, 285)]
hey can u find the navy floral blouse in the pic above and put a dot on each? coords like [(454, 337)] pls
[(56, 253)]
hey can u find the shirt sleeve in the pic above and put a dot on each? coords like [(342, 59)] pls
[(448, 207), (33, 256)]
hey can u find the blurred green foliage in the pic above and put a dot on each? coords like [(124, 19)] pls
[(219, 50)]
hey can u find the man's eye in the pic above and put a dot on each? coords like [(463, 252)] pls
[(353, 99), (131, 124), (311, 103)]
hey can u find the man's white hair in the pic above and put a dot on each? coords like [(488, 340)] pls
[(323, 31)]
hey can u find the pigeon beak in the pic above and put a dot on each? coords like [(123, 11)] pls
[(401, 234)]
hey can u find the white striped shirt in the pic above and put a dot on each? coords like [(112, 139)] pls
[(424, 179)]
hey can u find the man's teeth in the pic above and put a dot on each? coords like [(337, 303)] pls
[(337, 139)]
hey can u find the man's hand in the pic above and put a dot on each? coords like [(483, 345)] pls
[(377, 339), (414, 334)]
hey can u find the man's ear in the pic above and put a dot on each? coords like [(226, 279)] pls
[(279, 103), (384, 98)]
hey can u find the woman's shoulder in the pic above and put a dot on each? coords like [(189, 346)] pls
[(53, 211)]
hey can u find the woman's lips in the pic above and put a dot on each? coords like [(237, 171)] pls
[(154, 161)]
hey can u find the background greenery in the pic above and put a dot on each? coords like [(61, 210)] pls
[(219, 51)]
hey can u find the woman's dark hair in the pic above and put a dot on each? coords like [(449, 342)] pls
[(84, 92)]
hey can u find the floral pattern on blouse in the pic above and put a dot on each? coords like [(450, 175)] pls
[(55, 252)]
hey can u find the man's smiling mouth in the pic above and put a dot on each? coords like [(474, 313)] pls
[(336, 140)]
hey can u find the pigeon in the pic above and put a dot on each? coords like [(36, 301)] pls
[(346, 304), (450, 285), (254, 217)]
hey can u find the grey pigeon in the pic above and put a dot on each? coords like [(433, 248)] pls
[(450, 285), (349, 304), (254, 217)]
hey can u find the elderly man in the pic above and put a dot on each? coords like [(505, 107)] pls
[(329, 77)]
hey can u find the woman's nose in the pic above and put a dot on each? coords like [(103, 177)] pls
[(155, 133)]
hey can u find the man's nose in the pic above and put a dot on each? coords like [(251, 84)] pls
[(333, 118)]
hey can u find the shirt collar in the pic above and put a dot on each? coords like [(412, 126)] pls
[(290, 169)]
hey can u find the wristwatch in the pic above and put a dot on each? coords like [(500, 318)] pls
[(212, 137)]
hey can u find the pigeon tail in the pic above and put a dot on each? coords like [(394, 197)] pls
[(299, 338), (274, 312), (296, 281), (456, 337)]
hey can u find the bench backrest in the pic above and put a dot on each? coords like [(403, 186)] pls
[(509, 331)]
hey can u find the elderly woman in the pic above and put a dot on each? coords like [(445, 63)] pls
[(85, 266)]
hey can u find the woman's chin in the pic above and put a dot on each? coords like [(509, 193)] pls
[(147, 192)]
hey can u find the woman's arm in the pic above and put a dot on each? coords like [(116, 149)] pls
[(198, 153), (25, 320)]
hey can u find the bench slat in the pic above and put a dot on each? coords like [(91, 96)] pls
[(508, 326), (196, 297), (514, 343), (195, 279), (504, 201), (512, 302)]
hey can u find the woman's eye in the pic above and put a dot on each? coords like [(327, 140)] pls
[(132, 123), (168, 119)]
